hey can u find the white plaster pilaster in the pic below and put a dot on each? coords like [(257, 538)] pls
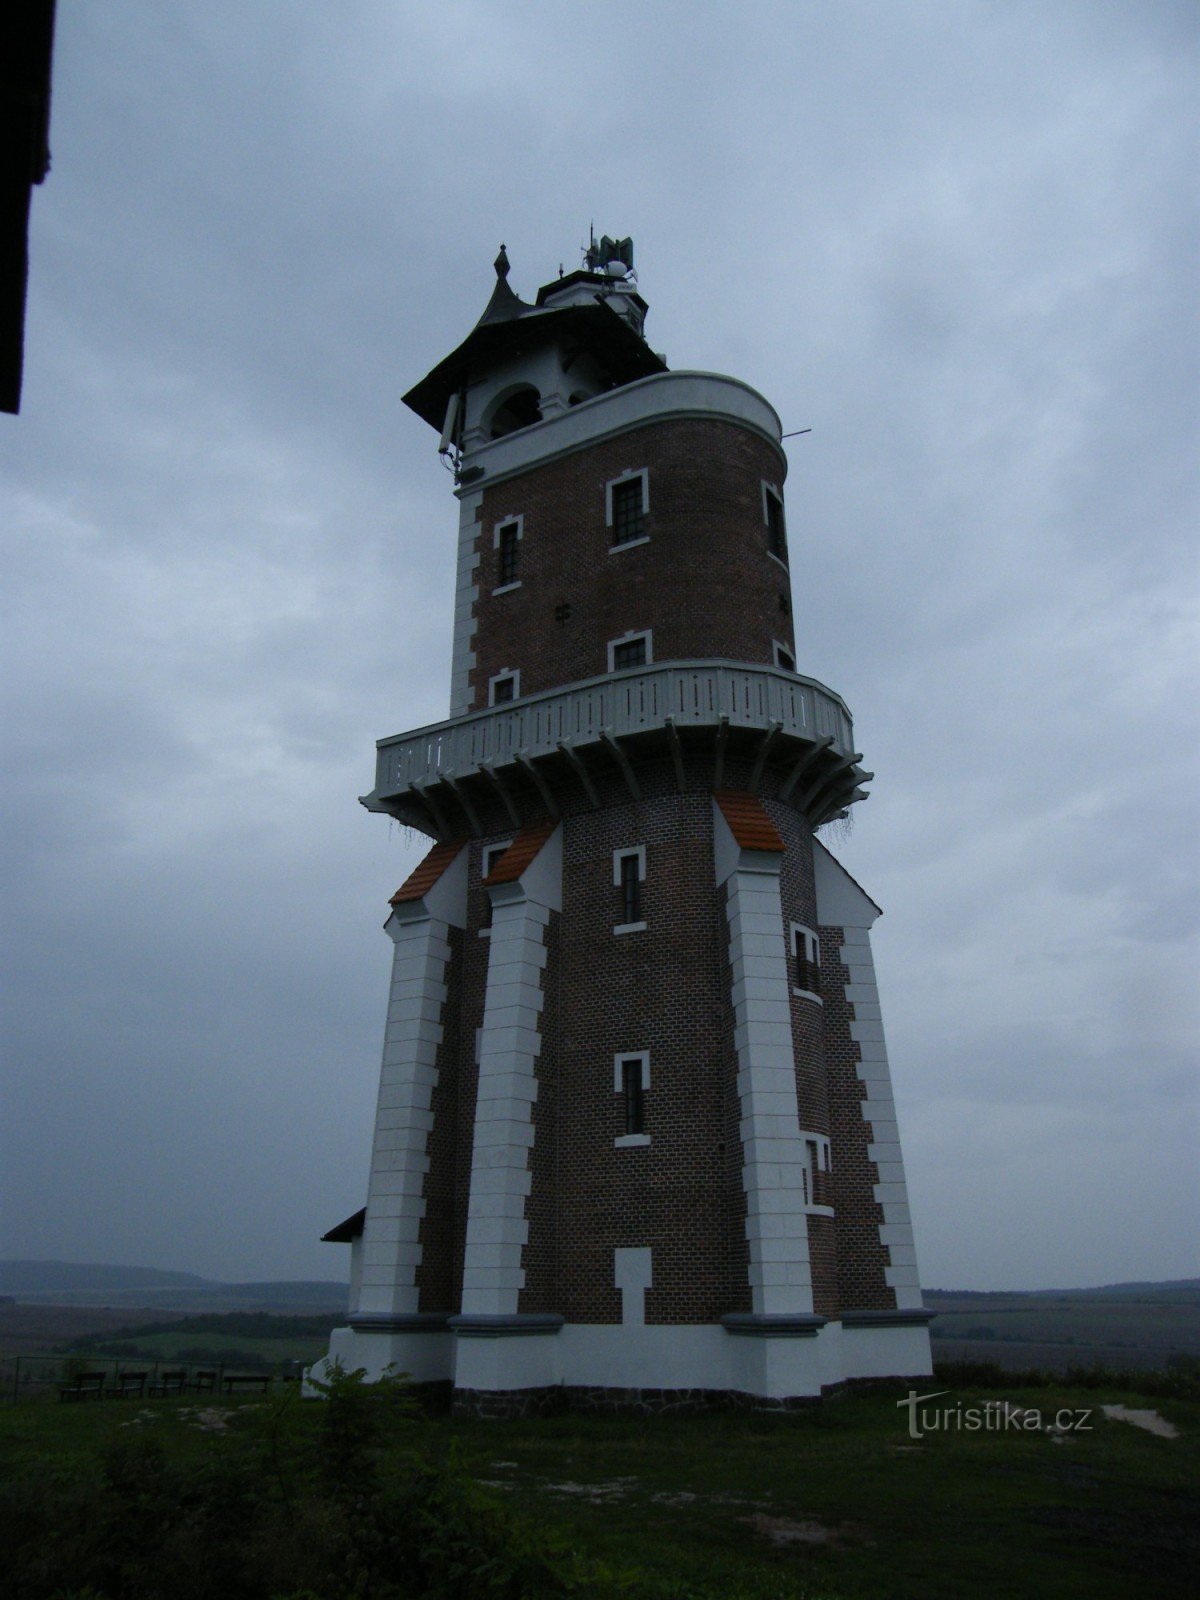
[(773, 1154), (466, 594), (510, 1042), (399, 1161), (842, 903)]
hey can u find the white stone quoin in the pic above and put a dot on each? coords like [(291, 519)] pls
[(773, 1149)]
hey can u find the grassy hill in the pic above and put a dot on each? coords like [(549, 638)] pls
[(72, 1283)]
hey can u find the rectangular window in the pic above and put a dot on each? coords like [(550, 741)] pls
[(784, 658), (773, 516), (626, 508), (631, 889), (631, 1080), (806, 951), (633, 1089), (491, 860), (629, 873), (509, 548), (630, 654), (504, 686)]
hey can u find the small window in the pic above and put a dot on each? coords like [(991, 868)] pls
[(504, 686), (773, 516), (634, 650), (631, 1080), (490, 861), (635, 1098), (806, 952), (629, 872), (631, 889), (508, 552), (626, 504), (784, 658)]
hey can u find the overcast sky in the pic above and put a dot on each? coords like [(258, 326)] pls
[(956, 239)]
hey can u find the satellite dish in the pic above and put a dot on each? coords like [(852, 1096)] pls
[(615, 269)]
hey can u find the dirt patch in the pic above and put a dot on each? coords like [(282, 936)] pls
[(1149, 1420), (781, 1531)]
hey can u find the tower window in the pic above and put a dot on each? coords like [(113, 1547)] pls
[(520, 409), (784, 658), (492, 856), (773, 517), (633, 650), (635, 1099), (629, 872), (505, 686), (626, 504), (507, 540), (631, 1080), (806, 952)]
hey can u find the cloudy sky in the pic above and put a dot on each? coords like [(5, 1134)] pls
[(954, 237)]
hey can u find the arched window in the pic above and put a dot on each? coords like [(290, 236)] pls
[(518, 409)]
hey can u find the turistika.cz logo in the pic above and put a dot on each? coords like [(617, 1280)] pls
[(992, 1416)]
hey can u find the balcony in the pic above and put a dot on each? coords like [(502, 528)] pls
[(531, 753)]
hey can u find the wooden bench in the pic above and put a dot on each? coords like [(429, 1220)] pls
[(247, 1380), (128, 1386), (169, 1383), (204, 1382), (84, 1386)]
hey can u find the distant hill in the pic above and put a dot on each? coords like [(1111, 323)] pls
[(1151, 1324), (76, 1283)]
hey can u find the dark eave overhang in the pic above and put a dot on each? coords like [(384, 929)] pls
[(346, 1232), (624, 355)]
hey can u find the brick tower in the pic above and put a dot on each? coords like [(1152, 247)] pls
[(635, 1140)]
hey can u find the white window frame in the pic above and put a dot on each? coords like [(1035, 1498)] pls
[(631, 1141), (780, 649), (630, 472), (508, 522), (638, 850), (505, 672), (627, 638), (773, 490), (799, 932), (816, 1147)]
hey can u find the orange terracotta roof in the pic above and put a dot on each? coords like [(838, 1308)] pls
[(748, 821), (521, 851), (420, 881)]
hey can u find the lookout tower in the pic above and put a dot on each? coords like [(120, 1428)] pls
[(635, 1139)]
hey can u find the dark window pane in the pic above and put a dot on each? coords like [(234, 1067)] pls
[(630, 654), (503, 689), (631, 890), (776, 534), (509, 547), (631, 1082), (629, 521)]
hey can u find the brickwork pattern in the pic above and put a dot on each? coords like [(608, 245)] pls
[(703, 581)]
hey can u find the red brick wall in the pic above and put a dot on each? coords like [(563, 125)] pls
[(704, 582)]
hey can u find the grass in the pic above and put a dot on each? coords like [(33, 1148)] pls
[(692, 1503)]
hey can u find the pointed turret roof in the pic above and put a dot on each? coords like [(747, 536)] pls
[(504, 304), (510, 327)]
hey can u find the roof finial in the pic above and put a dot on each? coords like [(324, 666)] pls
[(501, 263)]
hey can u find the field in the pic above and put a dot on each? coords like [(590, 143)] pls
[(835, 1502), (1143, 1326)]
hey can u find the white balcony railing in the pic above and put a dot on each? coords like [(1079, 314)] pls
[(620, 705)]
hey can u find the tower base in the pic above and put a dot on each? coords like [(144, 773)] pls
[(503, 1367)]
